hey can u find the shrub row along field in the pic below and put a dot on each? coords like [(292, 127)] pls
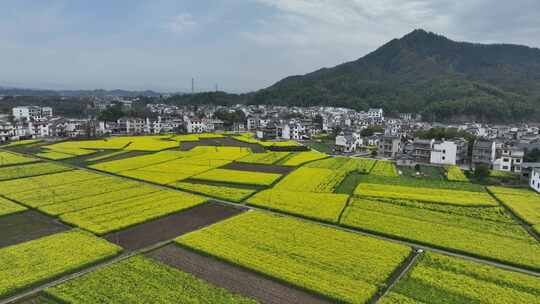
[(342, 266), (141, 280), (385, 168), (46, 258), (455, 174), (121, 214), (8, 158), (239, 177), (523, 202), (267, 158), (300, 158), (9, 207), (220, 192), (486, 231), (321, 206), (444, 196), (442, 279), (421, 182), (13, 172)]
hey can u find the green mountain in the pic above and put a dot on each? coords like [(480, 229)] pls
[(425, 73)]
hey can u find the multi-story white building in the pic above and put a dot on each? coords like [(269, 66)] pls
[(535, 180), (508, 159), (32, 112), (448, 152), (376, 113)]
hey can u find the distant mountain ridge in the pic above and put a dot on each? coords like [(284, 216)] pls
[(76, 93), (425, 73)]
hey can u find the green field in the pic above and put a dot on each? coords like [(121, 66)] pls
[(225, 193), (36, 261), (421, 183), (441, 279), (523, 202), (385, 168), (238, 177), (443, 196), (141, 280), (340, 265), (8, 158), (267, 158), (485, 232)]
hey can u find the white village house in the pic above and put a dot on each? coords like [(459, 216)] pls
[(535, 180)]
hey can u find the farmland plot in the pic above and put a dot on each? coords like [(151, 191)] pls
[(486, 232), (141, 280), (9, 207), (321, 206), (385, 168), (267, 158), (443, 196), (42, 259), (14, 172), (8, 158), (137, 162), (49, 181), (523, 202), (421, 183), (238, 177), (117, 215), (455, 174), (442, 279), (225, 193), (311, 180), (339, 265), (300, 158)]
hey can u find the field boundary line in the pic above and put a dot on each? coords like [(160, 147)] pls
[(401, 271)]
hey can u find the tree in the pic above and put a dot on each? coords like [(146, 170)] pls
[(481, 172), (532, 156), (369, 131), (112, 113)]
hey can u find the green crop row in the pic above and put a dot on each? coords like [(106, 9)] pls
[(486, 232), (422, 183), (13, 172), (438, 278), (445, 196), (225, 193), (141, 280), (300, 158), (8, 158), (321, 206), (343, 266), (35, 261)]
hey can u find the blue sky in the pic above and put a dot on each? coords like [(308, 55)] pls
[(239, 45)]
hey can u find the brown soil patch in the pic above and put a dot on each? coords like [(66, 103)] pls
[(26, 226), (232, 278), (259, 168), (171, 226)]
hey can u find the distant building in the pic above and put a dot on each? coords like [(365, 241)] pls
[(389, 146), (347, 143), (375, 113), (449, 152), (32, 112), (483, 152), (422, 150), (508, 158), (535, 180)]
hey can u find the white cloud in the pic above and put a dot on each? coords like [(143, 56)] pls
[(181, 23)]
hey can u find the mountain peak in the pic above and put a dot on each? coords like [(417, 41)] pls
[(421, 34)]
